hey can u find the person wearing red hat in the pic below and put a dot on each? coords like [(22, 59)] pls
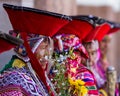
[(39, 22), (69, 75), (93, 51), (19, 67), (103, 62), (104, 44), (33, 21), (92, 47)]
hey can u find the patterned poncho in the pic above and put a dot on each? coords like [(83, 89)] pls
[(17, 80)]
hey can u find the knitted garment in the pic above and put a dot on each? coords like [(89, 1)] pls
[(23, 78)]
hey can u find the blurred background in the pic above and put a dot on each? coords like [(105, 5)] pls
[(108, 9)]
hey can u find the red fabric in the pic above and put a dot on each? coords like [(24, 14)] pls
[(5, 45), (79, 28), (113, 30), (32, 22), (97, 33), (102, 31), (90, 36)]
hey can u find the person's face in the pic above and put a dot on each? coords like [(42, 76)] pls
[(41, 50), (41, 54), (92, 57), (104, 46)]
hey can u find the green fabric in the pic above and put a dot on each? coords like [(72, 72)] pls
[(91, 87), (9, 65)]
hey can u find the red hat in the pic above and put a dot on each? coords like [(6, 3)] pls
[(5, 45), (98, 32), (35, 21), (113, 30), (74, 29), (7, 42), (115, 27), (66, 42), (102, 30), (79, 28), (30, 20), (103, 27)]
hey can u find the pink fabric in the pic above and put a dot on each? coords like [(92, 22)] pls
[(68, 42), (13, 90), (76, 70), (73, 64)]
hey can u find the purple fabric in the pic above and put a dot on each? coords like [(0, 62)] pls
[(23, 78), (13, 90)]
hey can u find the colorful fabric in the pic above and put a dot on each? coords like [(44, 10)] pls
[(80, 72), (7, 66), (13, 90), (35, 63), (68, 54), (67, 42), (45, 18), (18, 63), (21, 78), (14, 62), (24, 78), (74, 70)]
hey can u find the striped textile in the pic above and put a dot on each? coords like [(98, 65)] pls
[(86, 75)]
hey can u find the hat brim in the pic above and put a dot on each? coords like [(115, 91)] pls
[(35, 21)]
